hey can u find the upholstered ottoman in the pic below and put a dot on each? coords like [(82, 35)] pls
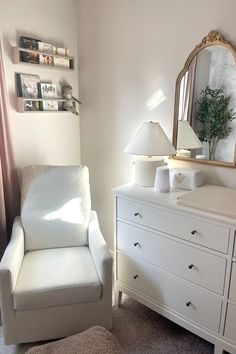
[(96, 340)]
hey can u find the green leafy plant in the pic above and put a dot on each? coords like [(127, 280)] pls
[(214, 114)]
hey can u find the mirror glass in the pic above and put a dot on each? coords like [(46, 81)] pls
[(206, 110)]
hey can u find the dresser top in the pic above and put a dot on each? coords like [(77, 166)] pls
[(168, 200)]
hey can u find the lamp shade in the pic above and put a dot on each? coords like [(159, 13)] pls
[(150, 140), (187, 138)]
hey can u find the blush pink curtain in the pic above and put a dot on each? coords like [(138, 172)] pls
[(9, 188)]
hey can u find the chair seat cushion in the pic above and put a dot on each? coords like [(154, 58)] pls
[(55, 277)]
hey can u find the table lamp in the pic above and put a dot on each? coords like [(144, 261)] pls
[(149, 140), (187, 139)]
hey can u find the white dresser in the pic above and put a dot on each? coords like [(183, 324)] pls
[(179, 261)]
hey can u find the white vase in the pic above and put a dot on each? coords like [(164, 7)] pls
[(162, 180)]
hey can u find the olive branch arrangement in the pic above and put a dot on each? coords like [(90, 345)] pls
[(214, 114)]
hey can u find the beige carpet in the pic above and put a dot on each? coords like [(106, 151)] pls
[(142, 331)]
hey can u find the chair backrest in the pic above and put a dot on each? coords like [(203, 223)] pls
[(55, 206)]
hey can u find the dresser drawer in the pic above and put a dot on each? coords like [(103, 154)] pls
[(194, 230), (232, 293), (192, 302), (230, 325), (188, 262)]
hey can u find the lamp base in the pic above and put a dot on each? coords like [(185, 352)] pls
[(145, 171)]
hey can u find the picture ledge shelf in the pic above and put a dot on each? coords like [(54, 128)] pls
[(20, 104), (16, 58), (60, 99), (59, 111)]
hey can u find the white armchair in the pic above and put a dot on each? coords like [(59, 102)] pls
[(56, 273)]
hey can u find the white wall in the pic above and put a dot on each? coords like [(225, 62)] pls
[(51, 138), (129, 51)]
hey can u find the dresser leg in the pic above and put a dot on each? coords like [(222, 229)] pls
[(118, 297), (218, 349)]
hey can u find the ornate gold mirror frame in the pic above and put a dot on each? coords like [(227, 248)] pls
[(213, 38)]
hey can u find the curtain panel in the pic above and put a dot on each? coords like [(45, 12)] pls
[(9, 187)]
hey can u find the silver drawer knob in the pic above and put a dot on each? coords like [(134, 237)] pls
[(188, 303)]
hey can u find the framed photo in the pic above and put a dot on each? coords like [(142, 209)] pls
[(31, 106), (32, 44), (27, 85), (28, 42), (62, 51), (48, 91), (61, 61), (29, 57), (46, 48), (45, 59)]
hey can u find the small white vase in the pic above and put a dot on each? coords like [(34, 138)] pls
[(162, 179)]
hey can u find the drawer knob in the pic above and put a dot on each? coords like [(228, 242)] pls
[(135, 276), (136, 244), (190, 266), (188, 303), (193, 232), (137, 214)]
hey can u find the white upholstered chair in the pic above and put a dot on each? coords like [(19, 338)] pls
[(56, 273)]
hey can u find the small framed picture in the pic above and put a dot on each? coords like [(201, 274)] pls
[(28, 42), (46, 47), (46, 59), (29, 56), (61, 61), (31, 106), (27, 85), (48, 91)]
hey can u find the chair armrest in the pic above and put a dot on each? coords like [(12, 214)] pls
[(13, 256), (9, 270), (99, 250)]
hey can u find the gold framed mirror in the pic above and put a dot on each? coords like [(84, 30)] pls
[(204, 128)]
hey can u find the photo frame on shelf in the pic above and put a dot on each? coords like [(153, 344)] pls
[(47, 91), (62, 51), (29, 43), (27, 87), (61, 61), (46, 48), (29, 57), (31, 106), (45, 59)]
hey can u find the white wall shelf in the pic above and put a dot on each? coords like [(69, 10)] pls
[(20, 103), (17, 58)]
